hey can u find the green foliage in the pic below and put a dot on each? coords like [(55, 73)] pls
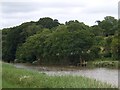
[(76, 25), (96, 30), (115, 48), (107, 46), (99, 41), (48, 22), (105, 32), (15, 37), (107, 63), (51, 42), (11, 44), (95, 52), (109, 24), (4, 42), (59, 45), (32, 49)]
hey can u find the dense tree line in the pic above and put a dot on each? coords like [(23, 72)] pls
[(49, 42)]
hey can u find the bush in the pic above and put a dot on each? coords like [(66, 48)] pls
[(112, 64)]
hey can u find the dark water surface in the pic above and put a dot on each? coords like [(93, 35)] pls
[(102, 74)]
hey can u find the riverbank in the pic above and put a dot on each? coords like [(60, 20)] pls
[(13, 77), (98, 63), (102, 74)]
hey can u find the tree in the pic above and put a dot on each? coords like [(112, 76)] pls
[(95, 52), (76, 25), (48, 22), (96, 30), (115, 48), (58, 47), (109, 24), (4, 49), (71, 46), (33, 48), (15, 37), (53, 43)]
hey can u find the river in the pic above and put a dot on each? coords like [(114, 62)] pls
[(102, 74)]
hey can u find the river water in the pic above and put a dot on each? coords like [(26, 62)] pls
[(102, 74)]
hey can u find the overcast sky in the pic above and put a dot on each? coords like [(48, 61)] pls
[(15, 12)]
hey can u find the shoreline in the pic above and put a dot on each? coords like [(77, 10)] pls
[(101, 74)]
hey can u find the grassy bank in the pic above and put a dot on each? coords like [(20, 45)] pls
[(103, 63), (20, 78)]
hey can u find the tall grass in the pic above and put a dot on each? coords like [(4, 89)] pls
[(20, 78)]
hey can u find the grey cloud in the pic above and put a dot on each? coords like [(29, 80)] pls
[(14, 7), (103, 7), (26, 9), (14, 13), (103, 10), (119, 10), (107, 9)]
